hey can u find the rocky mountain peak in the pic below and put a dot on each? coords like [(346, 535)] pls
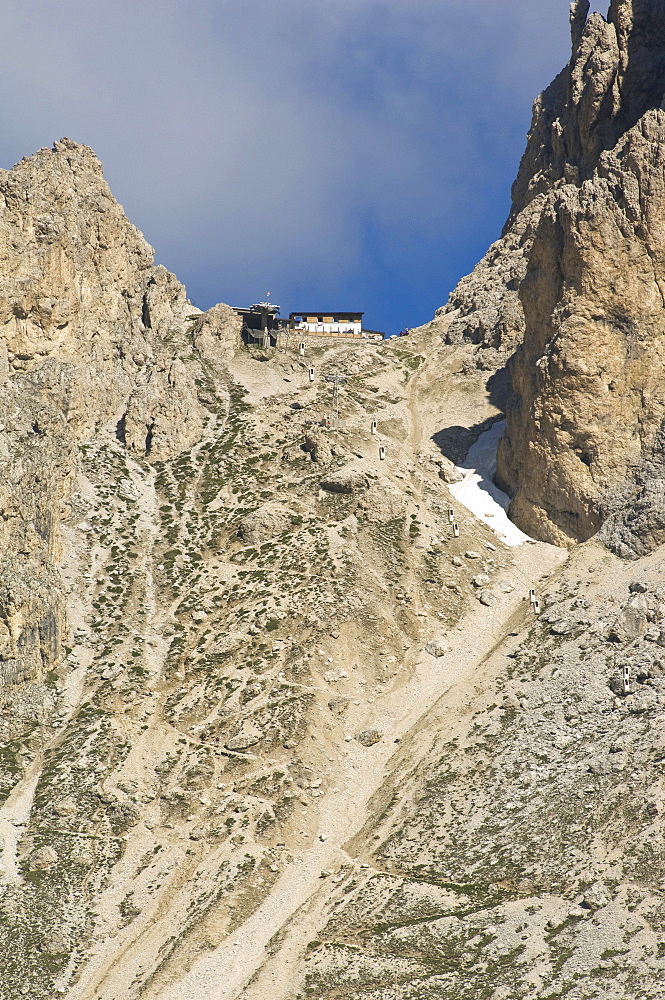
[(579, 12), (288, 707), (220, 608), (616, 74), (91, 340), (571, 297)]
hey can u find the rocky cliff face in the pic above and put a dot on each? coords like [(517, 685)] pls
[(573, 293), (206, 595), (272, 723), (85, 314), (94, 341), (516, 850), (89, 335)]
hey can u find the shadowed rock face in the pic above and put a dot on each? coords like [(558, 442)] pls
[(616, 74), (587, 404), (640, 29), (574, 291)]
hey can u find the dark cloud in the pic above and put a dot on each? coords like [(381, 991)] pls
[(354, 151)]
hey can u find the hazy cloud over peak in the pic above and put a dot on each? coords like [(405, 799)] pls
[(357, 152)]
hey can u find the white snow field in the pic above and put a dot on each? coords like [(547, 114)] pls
[(477, 491)]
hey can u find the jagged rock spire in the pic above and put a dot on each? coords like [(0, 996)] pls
[(576, 289), (640, 29), (579, 12), (584, 425)]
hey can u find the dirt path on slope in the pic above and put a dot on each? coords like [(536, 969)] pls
[(14, 818), (225, 973)]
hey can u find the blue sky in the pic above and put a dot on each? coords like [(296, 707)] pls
[(352, 154)]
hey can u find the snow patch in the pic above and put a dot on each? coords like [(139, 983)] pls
[(477, 491)]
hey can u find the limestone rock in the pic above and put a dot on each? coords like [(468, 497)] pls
[(636, 524), (316, 443), (347, 480), (94, 337), (595, 897), (574, 292), (588, 370), (216, 333), (484, 308), (228, 643), (382, 502), (65, 807), (369, 737), (338, 705), (42, 858), (582, 442), (162, 414), (86, 296), (448, 471), (175, 786), (56, 942), (264, 523), (245, 739)]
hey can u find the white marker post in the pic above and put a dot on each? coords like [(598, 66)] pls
[(301, 349), (626, 680), (532, 596), (451, 514), (311, 374), (455, 529), (382, 453), (373, 427), (536, 607)]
